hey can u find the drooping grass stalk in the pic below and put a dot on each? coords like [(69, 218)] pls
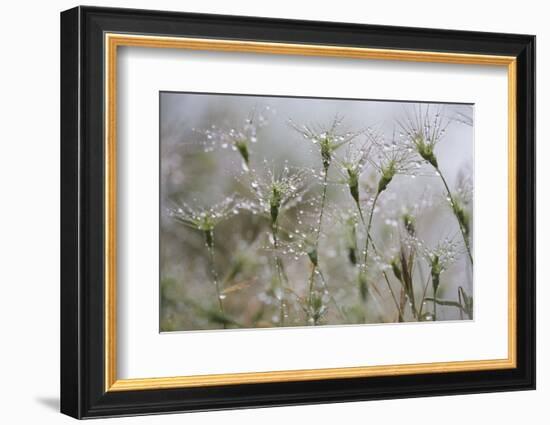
[(458, 213)]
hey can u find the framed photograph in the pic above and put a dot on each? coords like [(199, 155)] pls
[(261, 212)]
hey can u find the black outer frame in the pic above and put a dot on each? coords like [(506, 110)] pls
[(82, 219)]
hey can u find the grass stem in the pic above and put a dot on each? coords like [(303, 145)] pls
[(423, 300), (435, 304), (454, 209), (331, 297), (369, 225), (215, 278), (369, 239), (279, 272), (322, 210)]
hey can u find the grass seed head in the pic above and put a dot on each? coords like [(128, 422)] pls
[(242, 147), (276, 191), (205, 219), (329, 138), (440, 257), (388, 172), (391, 158), (423, 128), (238, 138)]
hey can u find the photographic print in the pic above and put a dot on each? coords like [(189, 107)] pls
[(319, 225), (289, 211)]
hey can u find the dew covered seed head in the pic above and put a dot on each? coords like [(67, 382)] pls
[(277, 190), (388, 172), (205, 219), (329, 138), (425, 150), (423, 128)]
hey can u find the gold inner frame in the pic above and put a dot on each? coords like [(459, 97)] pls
[(113, 41)]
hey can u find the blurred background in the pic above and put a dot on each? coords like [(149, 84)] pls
[(205, 169)]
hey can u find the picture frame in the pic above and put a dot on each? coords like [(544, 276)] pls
[(91, 38)]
